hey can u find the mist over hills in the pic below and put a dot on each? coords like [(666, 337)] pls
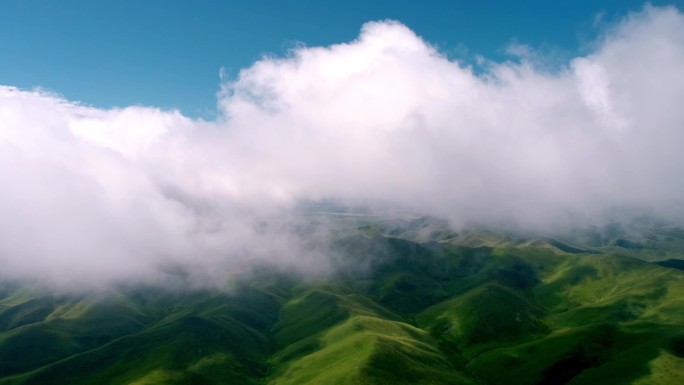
[(369, 212), (409, 301)]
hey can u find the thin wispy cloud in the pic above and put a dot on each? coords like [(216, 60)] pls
[(111, 195)]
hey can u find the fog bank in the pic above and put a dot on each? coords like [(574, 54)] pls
[(101, 196)]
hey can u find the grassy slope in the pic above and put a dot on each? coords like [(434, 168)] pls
[(197, 337), (611, 320), (331, 337)]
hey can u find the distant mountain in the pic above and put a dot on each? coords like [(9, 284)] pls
[(411, 302)]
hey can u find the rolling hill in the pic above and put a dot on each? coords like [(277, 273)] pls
[(409, 302)]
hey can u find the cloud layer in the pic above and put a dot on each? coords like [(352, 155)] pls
[(105, 195)]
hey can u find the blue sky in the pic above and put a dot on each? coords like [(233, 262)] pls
[(169, 53)]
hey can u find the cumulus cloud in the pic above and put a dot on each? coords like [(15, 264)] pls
[(389, 117), (105, 195)]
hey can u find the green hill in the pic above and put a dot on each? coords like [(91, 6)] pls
[(410, 302)]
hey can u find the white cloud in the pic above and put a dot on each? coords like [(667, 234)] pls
[(114, 194)]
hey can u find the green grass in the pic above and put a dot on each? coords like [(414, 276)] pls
[(365, 349), (483, 318), (599, 353)]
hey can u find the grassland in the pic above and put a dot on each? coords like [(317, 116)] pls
[(409, 304)]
